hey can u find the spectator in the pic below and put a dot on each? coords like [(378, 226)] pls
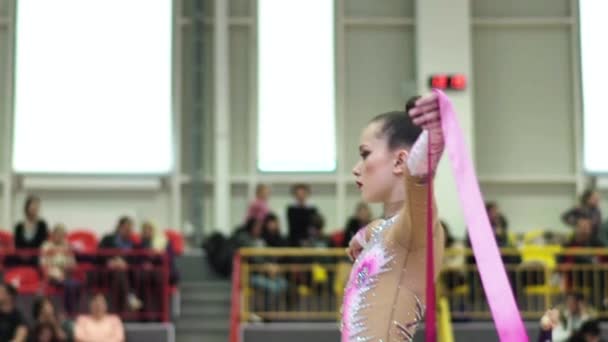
[(32, 232), (572, 316), (12, 323), (258, 209), (271, 232), (58, 261), (118, 265), (150, 277), (299, 214), (499, 224), (316, 238), (361, 219), (99, 326), (583, 237), (45, 319), (588, 207)]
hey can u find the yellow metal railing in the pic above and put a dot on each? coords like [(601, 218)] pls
[(307, 284)]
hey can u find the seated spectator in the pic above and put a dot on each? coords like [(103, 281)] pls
[(45, 319), (362, 218), (572, 316), (57, 262), (150, 279), (153, 239), (271, 232), (98, 326), (118, 265), (12, 324), (31, 233), (316, 239)]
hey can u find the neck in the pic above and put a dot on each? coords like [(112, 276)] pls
[(392, 208)]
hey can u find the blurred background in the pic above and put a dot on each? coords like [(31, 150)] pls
[(143, 142)]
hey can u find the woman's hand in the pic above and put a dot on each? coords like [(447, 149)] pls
[(354, 249), (426, 112), (549, 320)]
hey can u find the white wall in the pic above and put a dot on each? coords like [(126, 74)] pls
[(524, 111)]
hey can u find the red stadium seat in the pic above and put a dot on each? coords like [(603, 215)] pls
[(83, 241), (6, 240), (176, 240), (25, 279), (337, 238)]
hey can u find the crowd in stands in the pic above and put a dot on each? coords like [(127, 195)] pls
[(305, 228), (127, 273)]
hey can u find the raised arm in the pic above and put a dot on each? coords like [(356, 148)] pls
[(410, 229)]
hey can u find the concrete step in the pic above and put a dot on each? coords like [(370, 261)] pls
[(192, 337), (198, 325), (211, 285), (205, 310), (209, 297)]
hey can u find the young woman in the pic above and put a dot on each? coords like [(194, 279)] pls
[(385, 294)]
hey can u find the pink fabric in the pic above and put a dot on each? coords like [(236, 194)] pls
[(496, 285), (258, 210)]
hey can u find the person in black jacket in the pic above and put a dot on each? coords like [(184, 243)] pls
[(33, 231), (299, 215)]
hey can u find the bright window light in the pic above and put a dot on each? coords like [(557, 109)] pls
[(93, 87), (296, 89), (594, 54)]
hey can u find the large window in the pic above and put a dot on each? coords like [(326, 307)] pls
[(296, 87), (93, 87), (594, 54)]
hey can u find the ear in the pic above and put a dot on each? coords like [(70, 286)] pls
[(399, 161)]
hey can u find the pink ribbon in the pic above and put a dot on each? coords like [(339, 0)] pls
[(494, 279)]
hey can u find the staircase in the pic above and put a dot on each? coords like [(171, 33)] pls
[(205, 303)]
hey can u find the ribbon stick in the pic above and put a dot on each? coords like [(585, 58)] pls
[(505, 313)]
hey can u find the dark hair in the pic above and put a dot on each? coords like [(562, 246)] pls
[(37, 307), (123, 220), (270, 217), (578, 296), (299, 186), (449, 238), (28, 202), (586, 196), (590, 327), (10, 289), (250, 224), (398, 126), (98, 295), (490, 205)]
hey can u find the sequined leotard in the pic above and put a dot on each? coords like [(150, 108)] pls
[(384, 296)]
